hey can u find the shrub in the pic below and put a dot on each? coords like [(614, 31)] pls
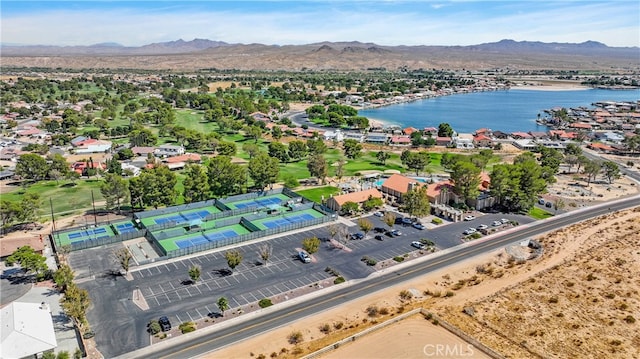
[(274, 355), (261, 356), (427, 242), (154, 327), (295, 337), (398, 259), (475, 235), (449, 294), (187, 327), (372, 310), (371, 262), (338, 325), (553, 299), (630, 319), (436, 221), (265, 302), (325, 328), (338, 280), (384, 311), (406, 295)]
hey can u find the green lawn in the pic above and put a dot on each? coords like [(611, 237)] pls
[(315, 194), (65, 197), (539, 213)]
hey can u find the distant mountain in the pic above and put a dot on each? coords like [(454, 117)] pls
[(352, 55)]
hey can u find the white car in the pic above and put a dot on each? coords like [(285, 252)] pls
[(417, 245), (378, 214), (469, 218), (504, 220), (496, 223), (469, 231), (482, 226), (304, 257)]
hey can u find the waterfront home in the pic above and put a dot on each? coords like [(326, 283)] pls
[(500, 135), (581, 126), (484, 131), (601, 147), (463, 142), (481, 140), (430, 131), (409, 130), (400, 141), (336, 202), (443, 141), (539, 135), (377, 137), (521, 135), (525, 145), (358, 136)]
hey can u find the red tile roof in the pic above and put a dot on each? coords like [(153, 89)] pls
[(399, 183), (357, 197), (194, 157)]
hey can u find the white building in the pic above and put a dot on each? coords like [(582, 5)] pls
[(334, 135), (26, 330), (169, 151)]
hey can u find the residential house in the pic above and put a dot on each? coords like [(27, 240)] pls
[(377, 137), (430, 131), (601, 147), (358, 136), (336, 202), (521, 135), (525, 145), (484, 131), (463, 142), (409, 130), (539, 135), (9, 245), (179, 162), (142, 151), (93, 146), (167, 150), (482, 141), (500, 135), (10, 154), (400, 141), (336, 135), (81, 167), (77, 141), (443, 141), (27, 330)]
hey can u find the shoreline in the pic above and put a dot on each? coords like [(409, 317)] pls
[(551, 88)]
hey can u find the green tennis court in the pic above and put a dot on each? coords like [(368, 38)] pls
[(202, 237), (89, 234), (287, 219)]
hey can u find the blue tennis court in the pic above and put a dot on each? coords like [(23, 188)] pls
[(221, 235), (193, 241), (276, 223), (177, 219), (246, 204), (125, 227), (87, 233), (267, 201), (299, 218)]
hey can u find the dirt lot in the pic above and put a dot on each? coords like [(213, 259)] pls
[(510, 308)]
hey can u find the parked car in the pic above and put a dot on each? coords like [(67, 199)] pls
[(378, 214), (406, 221), (399, 220), (504, 220), (418, 226), (304, 257), (379, 237), (396, 232), (358, 235), (390, 234), (496, 223), (469, 218), (541, 201), (469, 231), (379, 230), (481, 227), (417, 245), (548, 204), (165, 324)]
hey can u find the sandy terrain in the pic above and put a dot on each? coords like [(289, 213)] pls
[(472, 282), (572, 188)]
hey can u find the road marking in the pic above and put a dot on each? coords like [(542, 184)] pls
[(200, 315), (237, 304), (172, 287), (207, 284), (151, 291)]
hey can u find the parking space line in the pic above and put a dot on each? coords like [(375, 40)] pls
[(179, 320), (269, 290), (149, 270), (199, 315), (198, 288), (159, 272), (151, 291), (237, 304), (207, 284), (254, 297), (168, 299), (171, 284), (157, 302)]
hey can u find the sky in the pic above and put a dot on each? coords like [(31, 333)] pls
[(282, 22)]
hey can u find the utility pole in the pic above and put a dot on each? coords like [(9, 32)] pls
[(95, 216)]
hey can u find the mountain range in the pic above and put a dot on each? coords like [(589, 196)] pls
[(203, 53)]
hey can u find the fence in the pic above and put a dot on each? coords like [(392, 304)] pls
[(324, 209), (246, 237), (174, 209), (91, 243)]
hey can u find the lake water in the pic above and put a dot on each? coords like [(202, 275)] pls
[(508, 111)]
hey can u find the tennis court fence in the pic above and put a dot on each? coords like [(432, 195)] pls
[(97, 242), (175, 209)]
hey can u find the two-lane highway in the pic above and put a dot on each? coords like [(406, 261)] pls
[(273, 319)]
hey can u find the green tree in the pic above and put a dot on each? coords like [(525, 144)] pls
[(194, 272), (264, 251), (63, 277), (225, 178), (297, 150), (29, 260), (389, 219), (316, 146), (264, 170), (416, 202), (226, 149), (318, 167), (142, 137), (223, 304), (382, 157), (573, 149), (371, 203), (196, 183), (278, 150), (611, 171), (417, 161), (350, 207), (58, 166), (233, 257), (75, 304), (115, 190), (352, 148), (559, 204), (123, 257), (466, 179), (158, 186), (251, 149), (31, 167), (311, 245), (591, 169), (254, 132), (445, 130), (365, 225), (276, 132)]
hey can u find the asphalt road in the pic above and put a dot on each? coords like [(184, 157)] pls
[(258, 325)]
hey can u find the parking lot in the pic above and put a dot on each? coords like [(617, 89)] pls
[(165, 286)]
